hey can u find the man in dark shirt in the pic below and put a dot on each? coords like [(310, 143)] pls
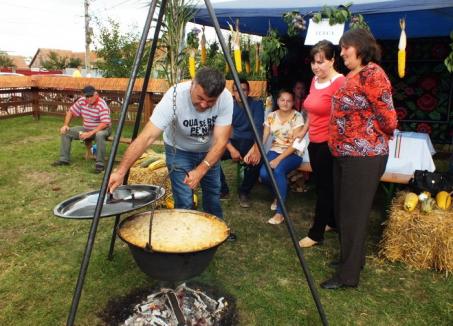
[(242, 147)]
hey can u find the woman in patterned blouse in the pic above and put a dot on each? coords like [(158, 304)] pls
[(282, 124), (362, 121)]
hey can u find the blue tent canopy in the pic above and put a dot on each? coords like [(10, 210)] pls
[(424, 18)]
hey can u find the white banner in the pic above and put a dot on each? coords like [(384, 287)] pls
[(323, 31)]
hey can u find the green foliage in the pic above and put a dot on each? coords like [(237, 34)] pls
[(177, 14), (74, 62), (295, 22), (341, 15), (55, 62), (449, 60), (116, 51), (273, 50), (5, 60)]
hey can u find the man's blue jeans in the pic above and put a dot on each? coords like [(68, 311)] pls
[(287, 165), (185, 162)]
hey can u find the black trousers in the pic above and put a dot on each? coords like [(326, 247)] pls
[(356, 180), (251, 172), (321, 162)]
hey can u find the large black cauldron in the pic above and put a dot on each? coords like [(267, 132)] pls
[(179, 263)]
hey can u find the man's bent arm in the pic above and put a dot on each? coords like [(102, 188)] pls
[(148, 135)]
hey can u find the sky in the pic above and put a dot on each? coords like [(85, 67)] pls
[(27, 25)]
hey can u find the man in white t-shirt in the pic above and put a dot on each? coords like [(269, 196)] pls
[(195, 138)]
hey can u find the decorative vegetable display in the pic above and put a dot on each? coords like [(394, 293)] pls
[(192, 63), (236, 41), (427, 205), (156, 165), (443, 200), (410, 202), (203, 47), (402, 49)]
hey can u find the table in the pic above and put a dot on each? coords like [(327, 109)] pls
[(408, 151)]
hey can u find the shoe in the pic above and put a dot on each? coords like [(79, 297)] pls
[(274, 205), (232, 237), (276, 219), (334, 284), (59, 163), (244, 201), (99, 168), (329, 228), (307, 242), (224, 195)]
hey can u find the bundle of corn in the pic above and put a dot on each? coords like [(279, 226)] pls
[(151, 168), (422, 240)]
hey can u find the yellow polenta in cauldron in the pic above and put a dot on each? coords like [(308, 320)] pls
[(175, 230)]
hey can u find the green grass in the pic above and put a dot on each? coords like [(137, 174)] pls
[(40, 254)]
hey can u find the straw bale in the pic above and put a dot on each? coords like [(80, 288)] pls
[(158, 177), (418, 239)]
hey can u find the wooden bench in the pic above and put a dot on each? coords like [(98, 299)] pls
[(388, 181), (389, 177), (125, 140)]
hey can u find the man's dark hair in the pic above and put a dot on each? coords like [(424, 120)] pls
[(211, 80)]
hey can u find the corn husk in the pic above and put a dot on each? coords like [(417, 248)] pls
[(423, 241)]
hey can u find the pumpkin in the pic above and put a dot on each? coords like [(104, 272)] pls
[(443, 200)]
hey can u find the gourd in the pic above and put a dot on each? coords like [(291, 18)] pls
[(443, 200), (427, 205), (410, 202)]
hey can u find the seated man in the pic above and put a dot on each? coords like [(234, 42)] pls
[(242, 146), (96, 126)]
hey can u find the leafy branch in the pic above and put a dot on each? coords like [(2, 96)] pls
[(341, 15), (273, 50)]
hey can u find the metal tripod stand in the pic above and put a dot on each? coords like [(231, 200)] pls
[(116, 140)]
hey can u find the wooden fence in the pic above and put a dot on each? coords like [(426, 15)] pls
[(39, 95)]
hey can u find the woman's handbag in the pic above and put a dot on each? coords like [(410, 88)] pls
[(431, 181)]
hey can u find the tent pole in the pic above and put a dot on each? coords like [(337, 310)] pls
[(289, 223), (140, 107)]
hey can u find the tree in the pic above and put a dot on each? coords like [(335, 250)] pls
[(54, 61), (5, 60), (116, 51), (74, 63)]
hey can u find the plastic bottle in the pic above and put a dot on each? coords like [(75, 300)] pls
[(93, 149)]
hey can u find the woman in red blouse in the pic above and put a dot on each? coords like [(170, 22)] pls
[(318, 106), (362, 121)]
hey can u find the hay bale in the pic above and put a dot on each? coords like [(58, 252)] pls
[(158, 177), (420, 240)]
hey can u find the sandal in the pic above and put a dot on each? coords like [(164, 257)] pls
[(276, 219), (307, 242)]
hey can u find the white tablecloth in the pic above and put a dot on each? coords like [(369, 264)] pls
[(408, 151)]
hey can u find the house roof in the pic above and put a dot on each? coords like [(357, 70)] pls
[(19, 61), (43, 53)]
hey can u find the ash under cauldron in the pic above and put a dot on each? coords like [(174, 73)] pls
[(193, 304)]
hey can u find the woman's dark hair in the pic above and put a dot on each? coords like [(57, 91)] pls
[(365, 44), (280, 92), (325, 47)]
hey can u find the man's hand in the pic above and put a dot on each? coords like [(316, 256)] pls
[(253, 156), (193, 179), (116, 180), (85, 135), (64, 130), (235, 154)]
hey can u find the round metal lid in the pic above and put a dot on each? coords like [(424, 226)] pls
[(124, 199)]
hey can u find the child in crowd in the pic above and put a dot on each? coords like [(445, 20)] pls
[(282, 124)]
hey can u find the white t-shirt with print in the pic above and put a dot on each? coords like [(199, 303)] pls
[(193, 129)]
